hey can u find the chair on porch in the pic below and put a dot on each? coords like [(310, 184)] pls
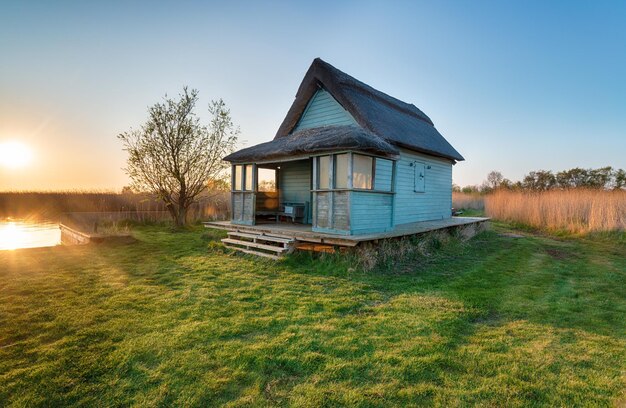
[(294, 211)]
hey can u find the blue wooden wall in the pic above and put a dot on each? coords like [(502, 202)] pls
[(370, 212), (383, 175), (294, 182), (435, 202), (323, 110)]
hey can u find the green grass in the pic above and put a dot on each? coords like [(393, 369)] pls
[(495, 321)]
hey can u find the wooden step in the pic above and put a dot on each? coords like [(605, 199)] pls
[(263, 232), (261, 237), (249, 244), (257, 253)]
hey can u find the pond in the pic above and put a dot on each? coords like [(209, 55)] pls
[(15, 234)]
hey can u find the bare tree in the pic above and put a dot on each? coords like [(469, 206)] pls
[(173, 156), (494, 179)]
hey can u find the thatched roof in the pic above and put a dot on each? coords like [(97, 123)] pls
[(383, 119), (318, 140)]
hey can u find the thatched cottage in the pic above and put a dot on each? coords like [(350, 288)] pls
[(347, 159)]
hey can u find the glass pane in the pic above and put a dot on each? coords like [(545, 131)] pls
[(248, 177), (361, 171), (341, 171), (383, 175), (323, 166), (267, 180), (238, 180)]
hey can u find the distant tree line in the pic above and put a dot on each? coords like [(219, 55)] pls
[(604, 178)]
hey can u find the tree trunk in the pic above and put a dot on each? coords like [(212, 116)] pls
[(181, 219), (174, 212)]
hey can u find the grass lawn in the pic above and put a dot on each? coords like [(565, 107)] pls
[(497, 320)]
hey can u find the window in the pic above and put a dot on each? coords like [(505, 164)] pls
[(420, 177), (248, 178), (341, 170), (266, 180), (362, 171), (368, 173), (323, 172), (238, 179)]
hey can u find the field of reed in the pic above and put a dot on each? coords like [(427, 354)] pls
[(468, 201), (51, 206), (575, 210)]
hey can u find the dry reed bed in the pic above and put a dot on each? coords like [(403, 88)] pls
[(576, 210), (52, 205), (468, 201)]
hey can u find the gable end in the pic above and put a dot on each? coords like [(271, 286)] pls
[(323, 110)]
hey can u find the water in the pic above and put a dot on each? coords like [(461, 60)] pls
[(16, 234)]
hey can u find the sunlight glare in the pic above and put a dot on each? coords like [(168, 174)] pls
[(14, 154), (11, 236)]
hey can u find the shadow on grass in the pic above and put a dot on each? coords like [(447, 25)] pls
[(576, 283), (573, 283)]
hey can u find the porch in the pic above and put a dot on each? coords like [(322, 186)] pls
[(304, 233), (340, 193)]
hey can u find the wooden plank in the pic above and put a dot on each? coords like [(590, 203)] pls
[(254, 245), (257, 253), (304, 233), (308, 238), (340, 242), (261, 236), (307, 246)]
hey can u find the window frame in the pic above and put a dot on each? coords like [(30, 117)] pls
[(238, 186), (332, 186), (348, 172), (242, 184), (275, 179), (245, 178), (373, 173), (331, 172)]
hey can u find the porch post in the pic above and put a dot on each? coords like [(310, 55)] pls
[(331, 184), (232, 192), (394, 170), (254, 191), (314, 193)]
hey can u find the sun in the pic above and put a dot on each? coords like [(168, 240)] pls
[(14, 154)]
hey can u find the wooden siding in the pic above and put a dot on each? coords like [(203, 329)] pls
[(383, 175), (370, 212), (435, 202), (323, 214), (294, 181), (341, 211), (323, 110), (332, 212)]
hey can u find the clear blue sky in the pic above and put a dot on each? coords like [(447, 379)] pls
[(513, 86)]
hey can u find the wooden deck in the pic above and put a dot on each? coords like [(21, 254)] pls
[(303, 233)]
